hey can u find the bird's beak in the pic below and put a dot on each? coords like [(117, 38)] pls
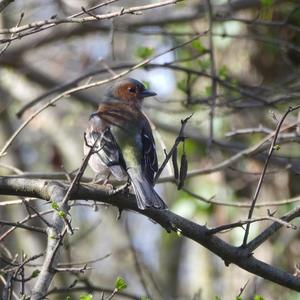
[(147, 93)]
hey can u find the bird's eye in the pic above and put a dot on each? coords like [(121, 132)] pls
[(132, 90)]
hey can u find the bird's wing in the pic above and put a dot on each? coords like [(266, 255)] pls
[(149, 157), (107, 148)]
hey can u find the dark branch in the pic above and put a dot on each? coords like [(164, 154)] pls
[(170, 221)]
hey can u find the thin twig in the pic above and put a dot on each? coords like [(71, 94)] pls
[(10, 230), (178, 140), (23, 226), (260, 181), (84, 87), (136, 262), (213, 74), (46, 24), (249, 221), (230, 254), (242, 204), (12, 35), (252, 150)]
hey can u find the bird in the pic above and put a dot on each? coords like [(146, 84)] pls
[(124, 143)]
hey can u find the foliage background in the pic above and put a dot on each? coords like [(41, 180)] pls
[(246, 75)]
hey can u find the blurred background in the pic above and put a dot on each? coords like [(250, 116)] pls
[(238, 78)]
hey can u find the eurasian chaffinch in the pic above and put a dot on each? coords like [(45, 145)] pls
[(125, 141)]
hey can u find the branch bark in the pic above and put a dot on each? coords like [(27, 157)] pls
[(242, 257)]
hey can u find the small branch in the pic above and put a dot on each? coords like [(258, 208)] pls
[(91, 287), (29, 217), (269, 231), (84, 87), (259, 184), (56, 232), (73, 270), (21, 266), (251, 151), (12, 35), (76, 181), (20, 225), (241, 223), (76, 263), (90, 13), (137, 263), (55, 235), (178, 140), (230, 254), (213, 74), (241, 203), (38, 26), (259, 129)]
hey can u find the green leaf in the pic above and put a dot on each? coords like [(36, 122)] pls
[(266, 3), (35, 273), (68, 298), (238, 298), (196, 44), (120, 284), (208, 91), (276, 147), (54, 205), (61, 213), (217, 298), (144, 52), (258, 297), (181, 85), (86, 297), (204, 64), (223, 72)]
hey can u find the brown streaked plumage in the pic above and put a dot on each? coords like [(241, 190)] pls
[(126, 143)]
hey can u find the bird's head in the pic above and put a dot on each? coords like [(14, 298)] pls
[(130, 90)]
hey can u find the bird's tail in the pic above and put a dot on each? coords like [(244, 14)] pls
[(145, 194)]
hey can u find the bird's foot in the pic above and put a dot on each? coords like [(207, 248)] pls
[(97, 180), (108, 185), (104, 182), (122, 188)]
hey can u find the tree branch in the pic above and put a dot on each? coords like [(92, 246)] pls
[(168, 220)]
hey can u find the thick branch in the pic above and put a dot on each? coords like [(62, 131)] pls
[(167, 219), (55, 193)]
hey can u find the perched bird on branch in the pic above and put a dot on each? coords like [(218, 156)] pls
[(125, 146)]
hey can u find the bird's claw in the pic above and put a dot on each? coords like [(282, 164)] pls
[(120, 189)]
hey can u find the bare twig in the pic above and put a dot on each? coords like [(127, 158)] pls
[(46, 24), (91, 287), (259, 184), (91, 261), (20, 225), (241, 223), (213, 74), (12, 35), (178, 140), (137, 264), (237, 255), (251, 151), (29, 217), (80, 88), (242, 203)]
